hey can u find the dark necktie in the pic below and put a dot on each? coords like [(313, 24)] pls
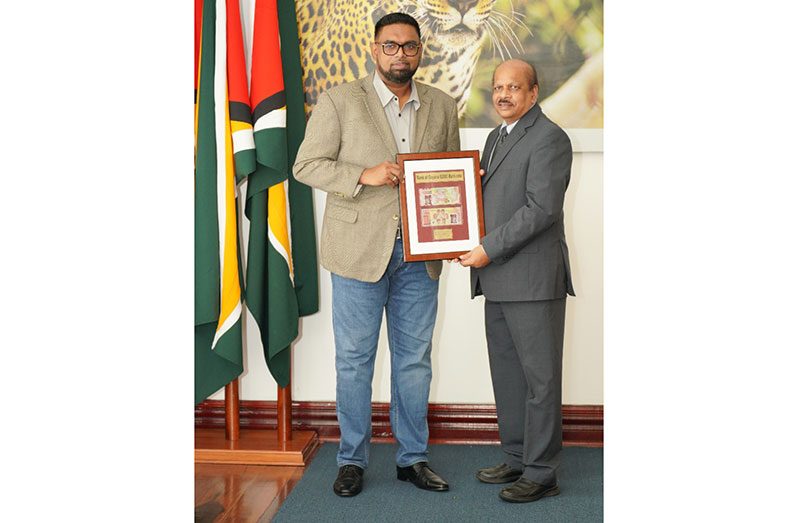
[(499, 144)]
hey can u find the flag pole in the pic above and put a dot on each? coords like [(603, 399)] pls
[(284, 408), (231, 411), (284, 413)]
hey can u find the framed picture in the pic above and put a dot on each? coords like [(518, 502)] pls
[(441, 200)]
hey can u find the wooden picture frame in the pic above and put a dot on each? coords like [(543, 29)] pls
[(441, 201)]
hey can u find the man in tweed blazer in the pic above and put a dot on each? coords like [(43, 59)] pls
[(349, 152)]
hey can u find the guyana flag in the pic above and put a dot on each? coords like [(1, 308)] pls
[(224, 154), (282, 278)]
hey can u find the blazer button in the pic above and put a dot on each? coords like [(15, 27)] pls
[(395, 216)]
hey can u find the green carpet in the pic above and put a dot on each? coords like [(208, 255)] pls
[(384, 498)]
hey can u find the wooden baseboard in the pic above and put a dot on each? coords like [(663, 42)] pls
[(583, 425)]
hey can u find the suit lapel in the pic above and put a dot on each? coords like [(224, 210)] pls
[(377, 114), (500, 154), (518, 132), (421, 117), (489, 144)]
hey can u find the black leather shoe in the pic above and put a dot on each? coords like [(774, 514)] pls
[(349, 481), (499, 474), (524, 491), (422, 476)]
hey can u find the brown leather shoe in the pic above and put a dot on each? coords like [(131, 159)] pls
[(422, 476), (524, 491), (349, 481), (499, 474)]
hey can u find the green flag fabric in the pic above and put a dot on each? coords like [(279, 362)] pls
[(303, 230), (217, 285), (282, 273)]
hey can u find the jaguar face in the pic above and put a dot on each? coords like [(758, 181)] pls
[(455, 24)]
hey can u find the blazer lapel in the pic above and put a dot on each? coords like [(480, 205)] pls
[(421, 118), (517, 133), (500, 154), (489, 143), (377, 114)]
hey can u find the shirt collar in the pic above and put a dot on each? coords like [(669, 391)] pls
[(385, 95), (509, 127)]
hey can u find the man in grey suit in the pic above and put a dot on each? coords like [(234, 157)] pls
[(522, 269), (349, 151)]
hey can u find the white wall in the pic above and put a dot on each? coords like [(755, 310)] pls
[(460, 362)]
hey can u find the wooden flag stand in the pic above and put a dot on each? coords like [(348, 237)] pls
[(255, 446)]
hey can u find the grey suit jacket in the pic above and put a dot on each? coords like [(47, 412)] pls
[(347, 133), (523, 195)]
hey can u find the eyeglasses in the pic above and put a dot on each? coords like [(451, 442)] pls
[(408, 48)]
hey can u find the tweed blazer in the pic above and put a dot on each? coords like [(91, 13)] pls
[(523, 193), (347, 133)]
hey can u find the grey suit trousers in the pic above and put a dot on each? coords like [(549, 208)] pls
[(525, 345)]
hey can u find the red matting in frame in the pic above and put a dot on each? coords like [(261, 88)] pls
[(436, 192), (441, 210)]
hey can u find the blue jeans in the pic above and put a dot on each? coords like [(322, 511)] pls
[(409, 298)]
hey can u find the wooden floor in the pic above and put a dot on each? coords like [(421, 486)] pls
[(241, 493)]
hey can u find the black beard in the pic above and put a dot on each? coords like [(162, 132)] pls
[(398, 77)]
